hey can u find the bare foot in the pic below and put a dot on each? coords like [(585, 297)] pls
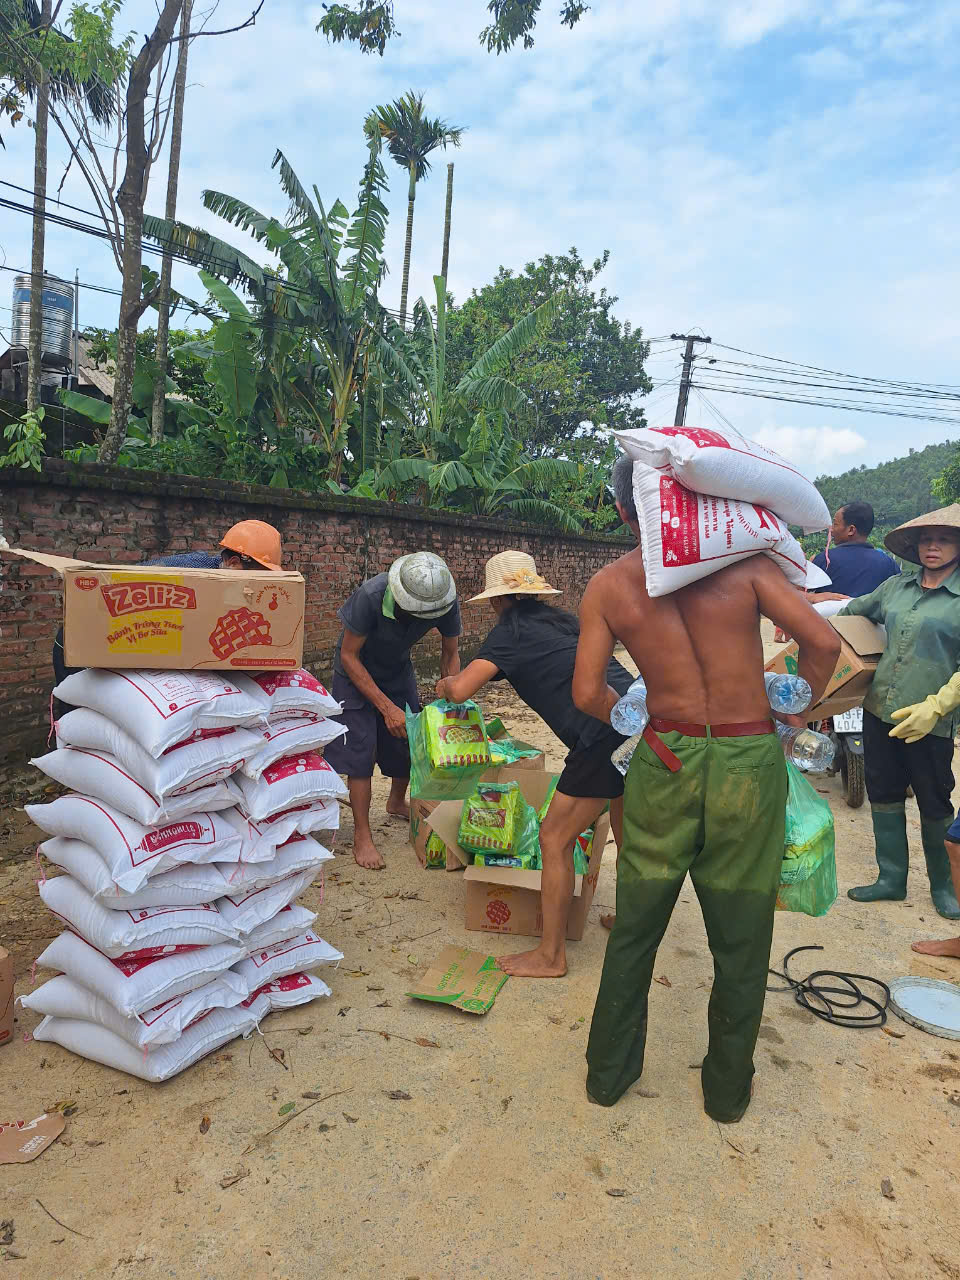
[(401, 811), (608, 920), (949, 947), (368, 856), (534, 964)]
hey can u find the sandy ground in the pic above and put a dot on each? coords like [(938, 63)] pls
[(497, 1166)]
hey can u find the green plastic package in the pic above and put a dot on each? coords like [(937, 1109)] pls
[(448, 750), (491, 817), (808, 873), (509, 751), (551, 788), (523, 862), (435, 853)]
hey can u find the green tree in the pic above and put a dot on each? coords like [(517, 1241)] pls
[(372, 23), (410, 137), (330, 266), (587, 368)]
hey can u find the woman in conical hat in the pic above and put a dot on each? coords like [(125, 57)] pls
[(908, 713), (534, 646)]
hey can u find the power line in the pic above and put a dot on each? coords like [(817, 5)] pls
[(813, 368), (830, 404)]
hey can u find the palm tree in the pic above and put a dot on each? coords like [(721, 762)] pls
[(410, 137)]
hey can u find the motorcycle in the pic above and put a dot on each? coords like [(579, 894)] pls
[(846, 733)]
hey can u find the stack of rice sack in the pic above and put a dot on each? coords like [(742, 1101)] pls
[(186, 840), (709, 498)]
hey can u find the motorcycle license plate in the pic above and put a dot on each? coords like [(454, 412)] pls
[(850, 722)]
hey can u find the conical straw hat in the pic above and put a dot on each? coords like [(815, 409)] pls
[(513, 573), (902, 541)]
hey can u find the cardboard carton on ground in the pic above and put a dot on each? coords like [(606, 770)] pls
[(6, 997), (511, 772), (861, 646), (507, 899), (178, 619), (463, 978), (420, 833)]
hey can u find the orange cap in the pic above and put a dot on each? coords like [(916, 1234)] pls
[(257, 540)]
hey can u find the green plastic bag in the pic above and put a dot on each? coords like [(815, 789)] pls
[(508, 751), (435, 853), (808, 873), (497, 822), (551, 788), (448, 750)]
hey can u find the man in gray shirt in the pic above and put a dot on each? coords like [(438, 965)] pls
[(373, 678)]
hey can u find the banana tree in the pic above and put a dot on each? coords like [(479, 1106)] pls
[(330, 265)]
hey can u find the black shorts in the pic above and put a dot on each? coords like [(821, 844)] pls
[(368, 741), (891, 765), (588, 771)]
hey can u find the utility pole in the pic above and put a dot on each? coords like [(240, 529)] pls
[(35, 333), (688, 358), (446, 223)]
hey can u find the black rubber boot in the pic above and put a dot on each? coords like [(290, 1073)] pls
[(938, 867), (893, 856)]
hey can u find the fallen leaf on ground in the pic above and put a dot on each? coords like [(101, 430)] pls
[(325, 1128), (557, 1022), (374, 988), (312, 1093), (350, 1119), (616, 1192), (286, 1108), (6, 1231), (886, 1189), (204, 1124), (412, 960), (505, 1102), (646, 1093), (664, 982), (304, 1031), (94, 1142), (889, 1031), (398, 1095), (384, 1004), (424, 1043), (343, 1011), (229, 1179), (12, 1253)]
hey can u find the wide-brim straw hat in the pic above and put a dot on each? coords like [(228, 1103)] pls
[(902, 541), (513, 573)]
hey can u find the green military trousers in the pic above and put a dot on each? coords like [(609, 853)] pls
[(720, 817)]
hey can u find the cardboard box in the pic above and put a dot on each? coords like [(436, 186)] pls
[(178, 619), (507, 899), (420, 833), (462, 978), (6, 997), (861, 646)]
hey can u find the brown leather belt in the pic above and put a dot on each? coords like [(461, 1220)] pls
[(746, 729)]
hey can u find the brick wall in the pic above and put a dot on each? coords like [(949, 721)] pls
[(114, 515)]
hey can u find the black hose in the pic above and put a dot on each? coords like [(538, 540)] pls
[(839, 1012)]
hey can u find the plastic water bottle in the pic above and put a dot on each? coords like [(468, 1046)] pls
[(629, 715), (787, 694), (808, 750), (624, 754)]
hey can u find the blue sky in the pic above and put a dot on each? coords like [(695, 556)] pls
[(780, 174)]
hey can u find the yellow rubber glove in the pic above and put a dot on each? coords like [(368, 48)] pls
[(918, 720)]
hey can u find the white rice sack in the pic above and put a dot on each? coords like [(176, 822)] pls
[(686, 536), (719, 461), (133, 852), (306, 951), (63, 997), (135, 935), (817, 580), (99, 774), (133, 986), (158, 709), (184, 886), (294, 780), (206, 757), (296, 693), (299, 853), (261, 840), (105, 1046), (293, 990), (245, 911), (291, 737), (287, 923)]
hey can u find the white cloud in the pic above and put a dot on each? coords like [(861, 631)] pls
[(814, 449)]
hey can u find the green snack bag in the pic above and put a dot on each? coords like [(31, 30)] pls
[(808, 873), (582, 851), (435, 854), (488, 822), (448, 750), (551, 788)]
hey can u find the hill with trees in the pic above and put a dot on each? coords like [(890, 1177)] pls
[(897, 490)]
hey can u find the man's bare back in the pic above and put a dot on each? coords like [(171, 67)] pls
[(699, 649)]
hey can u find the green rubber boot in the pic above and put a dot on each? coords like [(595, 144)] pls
[(938, 868), (893, 856)]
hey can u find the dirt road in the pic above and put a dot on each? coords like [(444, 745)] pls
[(497, 1166)]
